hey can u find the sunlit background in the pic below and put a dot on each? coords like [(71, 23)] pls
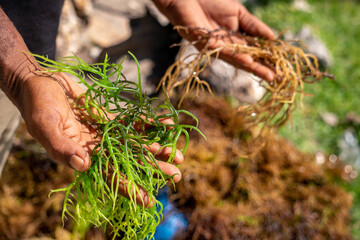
[(328, 125)]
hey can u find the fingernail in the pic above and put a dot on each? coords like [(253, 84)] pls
[(179, 157), (148, 201), (177, 177), (76, 162)]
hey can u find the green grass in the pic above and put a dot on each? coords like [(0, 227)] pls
[(337, 24), (334, 22)]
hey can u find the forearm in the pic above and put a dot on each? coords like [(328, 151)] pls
[(15, 65)]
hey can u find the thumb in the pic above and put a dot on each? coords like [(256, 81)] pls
[(64, 149), (252, 25), (67, 151)]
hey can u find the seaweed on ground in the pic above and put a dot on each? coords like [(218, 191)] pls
[(25, 209), (277, 193)]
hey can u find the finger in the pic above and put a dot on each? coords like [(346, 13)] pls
[(170, 170), (260, 70), (63, 149), (166, 121), (60, 146), (141, 196), (163, 153), (247, 63), (167, 168), (148, 123), (68, 151), (252, 25)]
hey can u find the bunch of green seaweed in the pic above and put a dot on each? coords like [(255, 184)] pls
[(126, 124)]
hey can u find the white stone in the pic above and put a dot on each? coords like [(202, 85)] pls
[(330, 118), (70, 37), (107, 29), (302, 5)]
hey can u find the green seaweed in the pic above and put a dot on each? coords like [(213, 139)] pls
[(121, 114)]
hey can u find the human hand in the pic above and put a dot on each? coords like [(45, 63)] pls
[(217, 14), (45, 104), (53, 121)]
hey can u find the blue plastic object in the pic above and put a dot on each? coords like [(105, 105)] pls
[(173, 222)]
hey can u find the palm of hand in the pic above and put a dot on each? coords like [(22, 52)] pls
[(55, 122), (51, 119)]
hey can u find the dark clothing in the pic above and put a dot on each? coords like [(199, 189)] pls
[(37, 21)]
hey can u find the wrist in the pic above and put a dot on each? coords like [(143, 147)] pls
[(15, 73), (16, 66)]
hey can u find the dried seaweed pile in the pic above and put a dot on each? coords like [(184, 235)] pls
[(245, 182), (26, 211), (278, 193)]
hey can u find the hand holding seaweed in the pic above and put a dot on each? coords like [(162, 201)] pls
[(212, 16), (292, 65), (131, 143), (51, 120)]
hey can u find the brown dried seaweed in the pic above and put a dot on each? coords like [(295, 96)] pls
[(277, 193), (292, 65)]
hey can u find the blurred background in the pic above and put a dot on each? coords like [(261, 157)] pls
[(329, 122), (327, 128)]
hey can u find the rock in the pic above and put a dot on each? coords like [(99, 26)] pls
[(149, 42), (239, 84), (315, 46), (302, 5), (107, 28), (225, 79), (129, 8), (330, 118), (155, 12), (352, 118), (131, 72), (70, 37)]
